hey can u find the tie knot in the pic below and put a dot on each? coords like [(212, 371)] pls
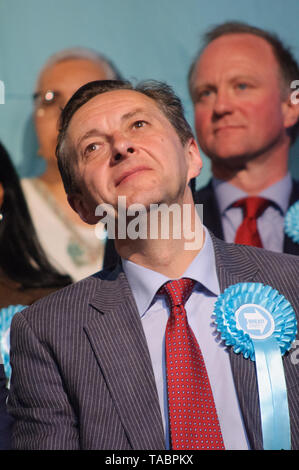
[(253, 206), (177, 292)]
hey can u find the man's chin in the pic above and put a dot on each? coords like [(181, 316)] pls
[(231, 159), (141, 196)]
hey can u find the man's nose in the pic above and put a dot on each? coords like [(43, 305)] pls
[(122, 147), (223, 103)]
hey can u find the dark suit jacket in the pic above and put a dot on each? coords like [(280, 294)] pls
[(5, 419), (212, 218), (82, 374)]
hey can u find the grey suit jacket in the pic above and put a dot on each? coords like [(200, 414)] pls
[(82, 376)]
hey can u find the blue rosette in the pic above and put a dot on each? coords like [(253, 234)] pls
[(260, 323), (291, 222), (6, 315)]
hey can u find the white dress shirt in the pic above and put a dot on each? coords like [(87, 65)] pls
[(270, 224), (154, 313)]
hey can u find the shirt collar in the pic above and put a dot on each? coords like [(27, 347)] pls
[(145, 283), (279, 193)]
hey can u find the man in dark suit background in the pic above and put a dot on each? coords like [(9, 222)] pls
[(246, 121), (89, 361)]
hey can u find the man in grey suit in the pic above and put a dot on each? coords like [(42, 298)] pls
[(243, 84), (89, 362)]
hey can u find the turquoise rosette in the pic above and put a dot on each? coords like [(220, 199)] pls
[(291, 222), (269, 299), (6, 315), (260, 323)]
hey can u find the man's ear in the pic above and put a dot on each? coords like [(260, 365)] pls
[(290, 109), (195, 161), (79, 205)]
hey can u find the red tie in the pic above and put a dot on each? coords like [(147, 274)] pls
[(247, 233), (192, 414)]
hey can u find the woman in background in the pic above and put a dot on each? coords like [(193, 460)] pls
[(70, 244), (25, 273)]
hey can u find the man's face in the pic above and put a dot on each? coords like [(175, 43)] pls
[(126, 146), (62, 79), (239, 111)]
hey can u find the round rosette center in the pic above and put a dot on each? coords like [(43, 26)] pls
[(254, 311)]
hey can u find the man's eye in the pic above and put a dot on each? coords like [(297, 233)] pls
[(140, 123), (205, 93), (202, 94), (91, 148), (242, 86)]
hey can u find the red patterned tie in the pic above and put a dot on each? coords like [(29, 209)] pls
[(247, 233), (192, 413)]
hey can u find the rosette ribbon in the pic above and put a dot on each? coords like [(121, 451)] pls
[(291, 222), (6, 315), (260, 323)]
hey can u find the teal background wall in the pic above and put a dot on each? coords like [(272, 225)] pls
[(145, 38)]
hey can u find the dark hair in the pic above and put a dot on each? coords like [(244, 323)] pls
[(21, 256), (288, 66), (161, 93)]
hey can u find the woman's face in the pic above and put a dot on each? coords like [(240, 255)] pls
[(55, 87)]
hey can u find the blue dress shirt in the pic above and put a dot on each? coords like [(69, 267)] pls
[(154, 313), (270, 224)]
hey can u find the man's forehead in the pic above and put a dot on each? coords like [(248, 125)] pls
[(122, 96), (247, 45), (235, 55), (116, 103)]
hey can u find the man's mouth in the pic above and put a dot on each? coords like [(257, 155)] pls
[(228, 127), (126, 175)]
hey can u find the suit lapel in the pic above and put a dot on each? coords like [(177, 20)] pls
[(117, 338), (234, 267), (211, 214)]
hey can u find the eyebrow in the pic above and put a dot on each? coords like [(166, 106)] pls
[(236, 76), (132, 114), (209, 85), (96, 133), (91, 133)]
